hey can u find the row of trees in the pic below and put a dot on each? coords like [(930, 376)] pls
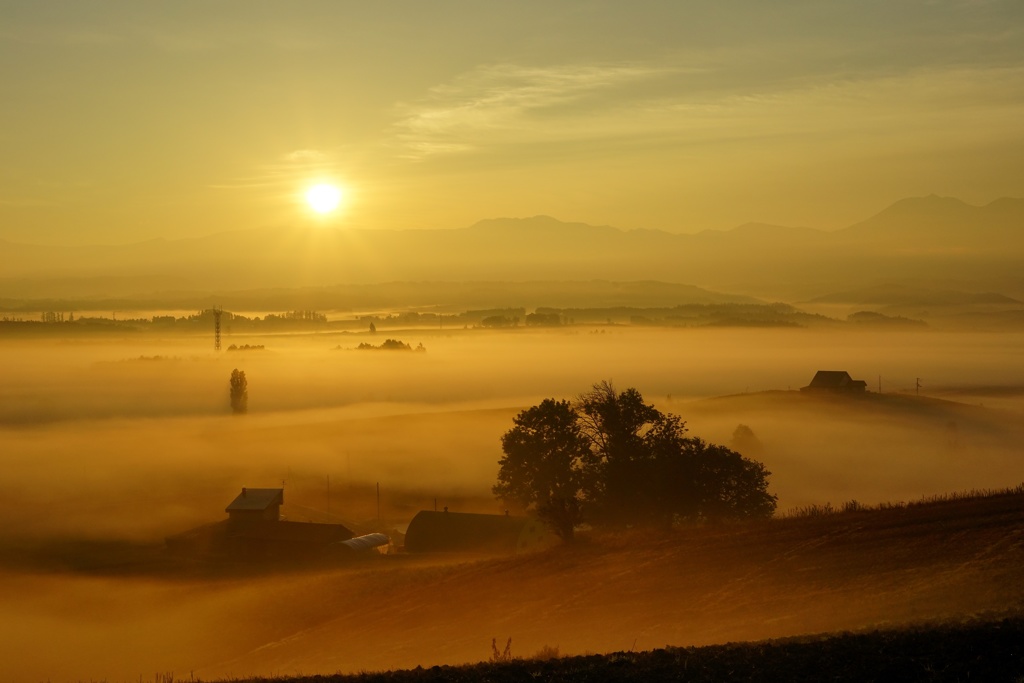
[(608, 458)]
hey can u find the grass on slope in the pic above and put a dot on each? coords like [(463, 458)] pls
[(981, 650)]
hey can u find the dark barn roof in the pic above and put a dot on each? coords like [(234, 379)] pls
[(256, 499), (835, 380), (463, 531)]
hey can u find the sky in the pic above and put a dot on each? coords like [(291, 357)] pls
[(125, 121)]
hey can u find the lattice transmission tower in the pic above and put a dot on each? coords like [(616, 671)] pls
[(216, 328)]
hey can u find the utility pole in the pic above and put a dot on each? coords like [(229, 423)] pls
[(917, 386), (879, 384), (378, 501), (328, 498)]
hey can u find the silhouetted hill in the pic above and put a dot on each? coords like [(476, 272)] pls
[(927, 222), (542, 227), (937, 562), (921, 238)]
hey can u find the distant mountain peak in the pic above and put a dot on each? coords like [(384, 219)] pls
[(948, 220), (539, 223), (930, 205), (1006, 204)]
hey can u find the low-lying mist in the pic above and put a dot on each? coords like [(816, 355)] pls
[(102, 427), (133, 439), (50, 380)]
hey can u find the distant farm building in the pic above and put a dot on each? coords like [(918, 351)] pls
[(254, 531), (431, 531), (835, 381), (253, 505)]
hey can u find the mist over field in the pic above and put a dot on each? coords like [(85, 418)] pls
[(110, 445)]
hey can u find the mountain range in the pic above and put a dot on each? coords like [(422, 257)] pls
[(940, 240)]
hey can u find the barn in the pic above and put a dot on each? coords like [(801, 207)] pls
[(431, 531), (835, 381)]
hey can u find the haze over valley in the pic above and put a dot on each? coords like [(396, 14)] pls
[(337, 337), (930, 243)]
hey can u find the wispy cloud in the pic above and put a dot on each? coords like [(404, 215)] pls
[(510, 103), (503, 106), (902, 105)]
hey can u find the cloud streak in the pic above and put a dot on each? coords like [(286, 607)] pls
[(498, 107), (510, 102)]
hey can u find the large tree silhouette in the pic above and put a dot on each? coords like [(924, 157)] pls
[(614, 460), (546, 455)]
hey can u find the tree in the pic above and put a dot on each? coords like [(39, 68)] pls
[(626, 434), (613, 459), (649, 471), (546, 456), (692, 480), (731, 486), (239, 392), (745, 441)]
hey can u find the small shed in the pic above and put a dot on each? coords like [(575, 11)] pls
[(836, 381), (431, 531), (253, 505)]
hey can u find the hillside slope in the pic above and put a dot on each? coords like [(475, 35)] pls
[(634, 591)]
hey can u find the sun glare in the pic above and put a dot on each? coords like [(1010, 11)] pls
[(323, 198)]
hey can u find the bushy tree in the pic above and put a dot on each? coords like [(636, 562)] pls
[(613, 459), (731, 486), (692, 480), (624, 434), (546, 456), (239, 392)]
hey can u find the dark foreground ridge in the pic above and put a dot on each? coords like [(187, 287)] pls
[(981, 650)]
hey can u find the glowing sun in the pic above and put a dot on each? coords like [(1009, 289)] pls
[(323, 198)]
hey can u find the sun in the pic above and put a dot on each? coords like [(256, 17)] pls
[(324, 198)]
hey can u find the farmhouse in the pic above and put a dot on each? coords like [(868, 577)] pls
[(255, 531), (835, 381), (253, 505)]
